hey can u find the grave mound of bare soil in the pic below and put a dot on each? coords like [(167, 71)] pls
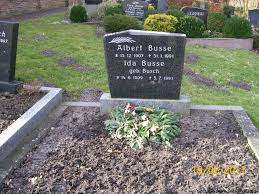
[(79, 156), (198, 78), (12, 106), (191, 59), (240, 84)]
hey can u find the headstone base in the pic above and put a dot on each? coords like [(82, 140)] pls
[(182, 106), (9, 86)]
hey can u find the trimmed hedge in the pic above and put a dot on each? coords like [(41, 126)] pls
[(160, 23), (176, 13), (214, 34), (78, 14), (116, 23), (193, 27), (115, 9), (237, 27), (216, 21), (229, 10)]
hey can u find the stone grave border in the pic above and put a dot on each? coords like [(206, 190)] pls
[(14, 134), (243, 120), (231, 43), (182, 106)]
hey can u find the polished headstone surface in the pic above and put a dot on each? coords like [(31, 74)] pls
[(144, 64), (197, 12), (254, 17), (135, 8), (8, 46)]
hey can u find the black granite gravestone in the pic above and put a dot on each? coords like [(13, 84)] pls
[(254, 17), (135, 8), (144, 64), (197, 12), (8, 46)]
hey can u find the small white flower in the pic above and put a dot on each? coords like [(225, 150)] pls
[(134, 113), (153, 128), (144, 117), (145, 123)]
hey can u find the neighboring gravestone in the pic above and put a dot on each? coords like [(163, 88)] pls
[(254, 17), (162, 5), (197, 12), (135, 8), (144, 64), (8, 46)]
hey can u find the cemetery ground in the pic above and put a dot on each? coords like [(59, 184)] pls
[(12, 106), (70, 56), (73, 159)]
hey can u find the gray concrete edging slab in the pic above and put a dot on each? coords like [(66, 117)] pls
[(14, 134), (216, 107), (182, 106), (233, 43)]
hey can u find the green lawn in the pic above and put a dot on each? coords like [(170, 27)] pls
[(79, 41)]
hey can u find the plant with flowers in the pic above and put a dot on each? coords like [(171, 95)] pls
[(140, 125)]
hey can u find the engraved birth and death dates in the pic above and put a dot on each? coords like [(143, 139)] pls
[(3, 38), (144, 62)]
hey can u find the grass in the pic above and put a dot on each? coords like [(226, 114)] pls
[(79, 41)]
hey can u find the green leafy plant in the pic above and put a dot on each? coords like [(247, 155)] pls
[(161, 23), (237, 27), (229, 10), (116, 23), (140, 125), (216, 21), (212, 34), (78, 14), (114, 9), (193, 27), (175, 12)]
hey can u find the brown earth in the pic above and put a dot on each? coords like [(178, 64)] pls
[(240, 84), (198, 78), (79, 156), (12, 106), (191, 59)]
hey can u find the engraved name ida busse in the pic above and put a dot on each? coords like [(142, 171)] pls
[(164, 53)]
